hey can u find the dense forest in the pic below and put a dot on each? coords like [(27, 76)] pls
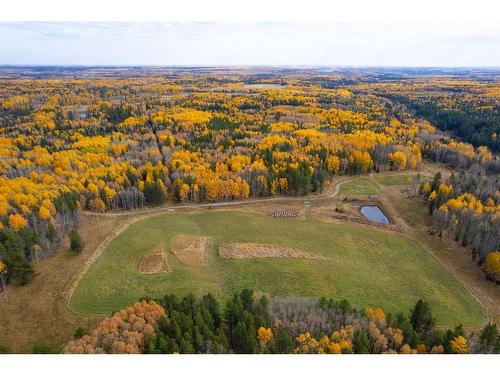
[(70, 143), (253, 323), (469, 110)]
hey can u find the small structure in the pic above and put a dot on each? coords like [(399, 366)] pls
[(283, 213)]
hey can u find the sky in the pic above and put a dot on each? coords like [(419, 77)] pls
[(251, 43)]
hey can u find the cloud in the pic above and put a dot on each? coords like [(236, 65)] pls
[(263, 43)]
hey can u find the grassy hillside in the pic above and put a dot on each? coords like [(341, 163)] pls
[(369, 268), (359, 186), (395, 179)]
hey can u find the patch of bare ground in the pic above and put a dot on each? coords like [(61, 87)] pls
[(153, 263), (38, 311), (257, 250), (190, 250)]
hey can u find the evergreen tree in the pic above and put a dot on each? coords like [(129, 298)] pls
[(421, 318), (154, 192), (360, 342), (409, 334), (489, 341), (76, 243), (282, 343), (21, 271)]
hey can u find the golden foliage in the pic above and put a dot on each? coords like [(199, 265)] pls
[(43, 212), (17, 222), (459, 345), (406, 349), (264, 335), (492, 265), (123, 333)]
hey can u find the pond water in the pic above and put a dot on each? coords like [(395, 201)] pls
[(374, 213)]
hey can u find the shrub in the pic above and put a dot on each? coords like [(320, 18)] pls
[(80, 332), (21, 271), (76, 243), (42, 348)]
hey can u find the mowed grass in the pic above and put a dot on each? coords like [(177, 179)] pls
[(359, 186), (370, 267), (395, 179)]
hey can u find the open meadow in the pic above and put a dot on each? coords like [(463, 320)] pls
[(367, 267), (359, 186)]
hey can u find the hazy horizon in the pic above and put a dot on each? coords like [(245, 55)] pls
[(310, 66), (285, 44)]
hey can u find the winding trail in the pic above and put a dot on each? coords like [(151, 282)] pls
[(170, 208), (413, 233), (92, 258)]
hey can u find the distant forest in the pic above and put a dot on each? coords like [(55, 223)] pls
[(478, 125)]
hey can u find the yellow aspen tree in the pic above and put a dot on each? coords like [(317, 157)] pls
[(17, 222), (459, 345)]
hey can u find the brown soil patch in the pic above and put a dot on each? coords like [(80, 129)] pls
[(153, 263), (258, 250), (190, 250)]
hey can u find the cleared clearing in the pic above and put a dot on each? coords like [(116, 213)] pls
[(359, 186), (189, 250), (370, 267), (153, 263), (390, 180), (259, 250)]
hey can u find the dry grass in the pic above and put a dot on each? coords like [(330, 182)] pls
[(153, 263), (258, 250), (190, 250), (37, 311)]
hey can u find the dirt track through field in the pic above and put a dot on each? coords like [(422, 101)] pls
[(454, 258), (96, 254)]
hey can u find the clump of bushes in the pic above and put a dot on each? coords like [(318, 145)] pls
[(76, 243)]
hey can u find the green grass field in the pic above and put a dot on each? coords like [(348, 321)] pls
[(394, 179), (370, 267), (359, 186)]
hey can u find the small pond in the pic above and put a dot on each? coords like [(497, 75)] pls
[(374, 213)]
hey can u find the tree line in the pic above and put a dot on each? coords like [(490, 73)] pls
[(252, 323), (466, 209)]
